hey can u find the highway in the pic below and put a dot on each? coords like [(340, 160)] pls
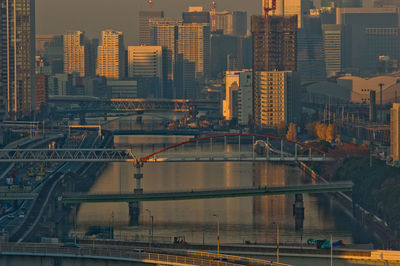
[(207, 194)]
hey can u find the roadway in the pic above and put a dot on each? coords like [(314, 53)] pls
[(208, 194)]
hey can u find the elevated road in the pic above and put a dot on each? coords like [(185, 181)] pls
[(208, 194), (9, 196)]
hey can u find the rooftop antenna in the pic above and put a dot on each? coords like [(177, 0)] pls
[(213, 18), (150, 4)]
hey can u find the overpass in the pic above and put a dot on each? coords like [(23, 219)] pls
[(208, 194), (123, 256)]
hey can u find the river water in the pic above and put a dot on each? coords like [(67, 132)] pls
[(242, 219)]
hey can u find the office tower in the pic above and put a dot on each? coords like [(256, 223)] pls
[(111, 55), (222, 47), (231, 22), (123, 88), (310, 50), (185, 78), (144, 30), (395, 132), (382, 42), (355, 22), (194, 45), (41, 92), (238, 103), (372, 106), (291, 8), (17, 58), (164, 32), (196, 14), (333, 48), (146, 63), (275, 97), (274, 43), (75, 53)]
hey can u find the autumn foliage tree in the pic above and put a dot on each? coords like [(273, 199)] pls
[(292, 132)]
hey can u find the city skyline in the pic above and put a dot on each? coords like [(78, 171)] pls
[(66, 16)]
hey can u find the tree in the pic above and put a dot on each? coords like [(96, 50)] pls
[(320, 130), (281, 129), (292, 132), (331, 132)]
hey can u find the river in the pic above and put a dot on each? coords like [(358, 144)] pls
[(242, 219)]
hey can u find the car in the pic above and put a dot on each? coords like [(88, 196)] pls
[(71, 245), (11, 216), (139, 250)]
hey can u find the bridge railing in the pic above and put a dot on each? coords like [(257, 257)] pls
[(31, 249)]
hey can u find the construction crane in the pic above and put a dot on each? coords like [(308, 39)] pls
[(150, 4), (213, 17), (267, 8)]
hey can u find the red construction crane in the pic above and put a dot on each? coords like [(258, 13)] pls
[(267, 8), (213, 18), (150, 4)]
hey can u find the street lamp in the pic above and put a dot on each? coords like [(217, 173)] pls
[(217, 232), (277, 241), (152, 225)]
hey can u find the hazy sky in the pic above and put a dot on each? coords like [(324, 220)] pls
[(92, 16)]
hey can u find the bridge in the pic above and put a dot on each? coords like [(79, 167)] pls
[(121, 255), (208, 194), (96, 105)]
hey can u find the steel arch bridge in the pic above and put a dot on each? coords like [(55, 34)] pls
[(254, 153)]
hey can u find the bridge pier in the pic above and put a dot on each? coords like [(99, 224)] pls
[(134, 207), (298, 212)]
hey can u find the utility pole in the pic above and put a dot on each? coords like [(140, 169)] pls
[(277, 242), (217, 232)]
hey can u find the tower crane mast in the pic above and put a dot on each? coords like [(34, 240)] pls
[(267, 8)]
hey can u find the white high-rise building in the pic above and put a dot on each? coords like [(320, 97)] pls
[(238, 101), (75, 54), (111, 55)]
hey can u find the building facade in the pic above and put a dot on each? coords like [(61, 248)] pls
[(395, 132), (111, 55), (274, 43), (144, 29), (293, 8), (146, 62), (333, 48), (75, 53), (17, 58), (231, 22), (275, 97)]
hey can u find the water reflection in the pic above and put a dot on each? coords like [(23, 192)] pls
[(242, 219)]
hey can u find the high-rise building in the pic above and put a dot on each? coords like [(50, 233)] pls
[(194, 45), (17, 58), (355, 22), (275, 97), (275, 82), (238, 103), (310, 50), (196, 14), (111, 55), (146, 62), (274, 43), (144, 29), (231, 22), (387, 3), (293, 7), (382, 42), (164, 32), (41, 91), (333, 48), (395, 132), (75, 54)]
